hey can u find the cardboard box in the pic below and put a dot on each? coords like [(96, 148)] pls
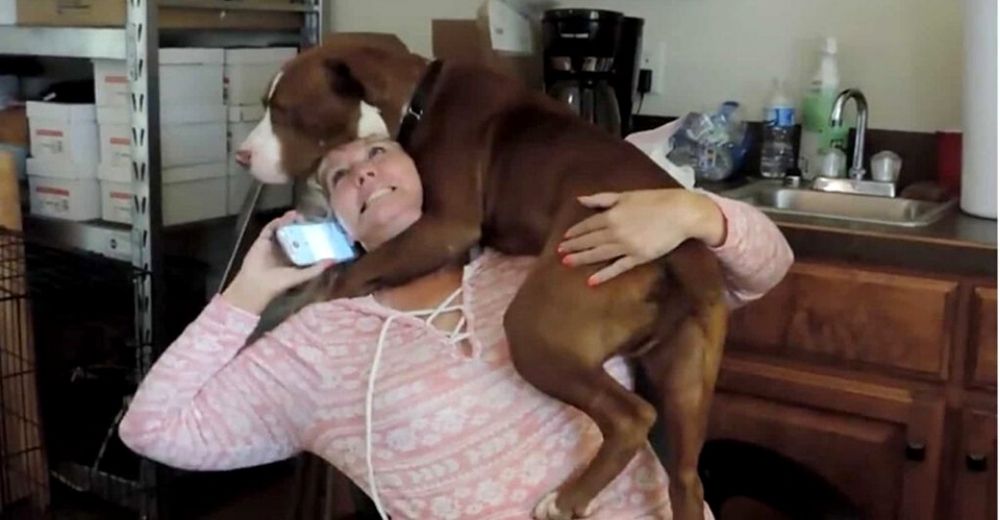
[(14, 125), (188, 76), (112, 13), (189, 135), (63, 131), (248, 72), (69, 199), (500, 37), (190, 194)]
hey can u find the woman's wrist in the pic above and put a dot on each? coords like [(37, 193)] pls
[(246, 296), (710, 223)]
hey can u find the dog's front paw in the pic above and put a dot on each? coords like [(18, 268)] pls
[(546, 509)]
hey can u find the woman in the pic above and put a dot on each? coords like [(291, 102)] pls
[(455, 432)]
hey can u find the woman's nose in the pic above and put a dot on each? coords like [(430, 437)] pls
[(365, 175)]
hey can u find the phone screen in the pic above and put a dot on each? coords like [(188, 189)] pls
[(310, 242)]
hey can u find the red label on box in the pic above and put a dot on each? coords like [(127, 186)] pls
[(120, 140), (52, 191), (120, 195), (49, 133), (116, 79)]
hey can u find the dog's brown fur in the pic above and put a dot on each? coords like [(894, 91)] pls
[(502, 166)]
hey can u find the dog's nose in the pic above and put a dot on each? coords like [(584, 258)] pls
[(243, 157)]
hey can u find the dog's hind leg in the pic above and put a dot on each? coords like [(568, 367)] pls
[(682, 369), (560, 334)]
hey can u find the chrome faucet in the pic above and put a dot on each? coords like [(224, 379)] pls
[(836, 119), (856, 184)]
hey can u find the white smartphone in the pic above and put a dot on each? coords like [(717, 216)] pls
[(306, 243)]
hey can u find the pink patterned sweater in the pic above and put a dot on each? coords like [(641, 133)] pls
[(456, 432)]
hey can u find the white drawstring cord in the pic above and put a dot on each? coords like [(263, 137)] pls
[(444, 306)]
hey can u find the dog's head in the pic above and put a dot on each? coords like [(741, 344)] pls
[(327, 96)]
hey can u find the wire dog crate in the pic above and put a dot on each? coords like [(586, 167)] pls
[(24, 491)]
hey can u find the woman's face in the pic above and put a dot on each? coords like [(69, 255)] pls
[(374, 189)]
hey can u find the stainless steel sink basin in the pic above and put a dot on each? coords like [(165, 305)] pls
[(774, 197)]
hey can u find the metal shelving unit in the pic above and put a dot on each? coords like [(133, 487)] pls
[(141, 245)]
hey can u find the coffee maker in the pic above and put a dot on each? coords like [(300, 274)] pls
[(591, 61)]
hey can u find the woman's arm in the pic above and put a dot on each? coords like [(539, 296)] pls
[(754, 255), (639, 226), (209, 403)]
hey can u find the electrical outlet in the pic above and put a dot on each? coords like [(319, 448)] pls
[(654, 58)]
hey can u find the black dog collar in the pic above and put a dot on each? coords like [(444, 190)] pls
[(418, 103)]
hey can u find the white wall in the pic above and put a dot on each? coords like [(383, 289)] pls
[(906, 55)]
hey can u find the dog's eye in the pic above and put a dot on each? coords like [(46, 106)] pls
[(376, 151)]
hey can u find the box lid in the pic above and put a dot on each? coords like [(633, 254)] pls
[(260, 55), (197, 172), (47, 167), (70, 112), (175, 115), (192, 56), (246, 113)]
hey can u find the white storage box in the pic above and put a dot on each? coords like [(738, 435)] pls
[(189, 194), (70, 199), (63, 131), (248, 72), (187, 76), (8, 12), (57, 168), (189, 135), (271, 197)]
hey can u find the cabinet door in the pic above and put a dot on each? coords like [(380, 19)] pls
[(983, 336), (974, 491), (848, 316), (880, 446)]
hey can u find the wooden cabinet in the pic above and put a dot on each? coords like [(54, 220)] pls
[(983, 334), (844, 315), (974, 488), (849, 370)]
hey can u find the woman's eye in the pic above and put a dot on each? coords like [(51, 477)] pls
[(375, 150), (337, 175)]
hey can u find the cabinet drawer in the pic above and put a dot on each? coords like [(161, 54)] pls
[(852, 315), (983, 334)]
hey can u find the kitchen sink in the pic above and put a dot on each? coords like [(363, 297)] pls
[(773, 196)]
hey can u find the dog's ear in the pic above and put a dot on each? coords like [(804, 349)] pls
[(342, 80)]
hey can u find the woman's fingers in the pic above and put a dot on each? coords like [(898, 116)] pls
[(272, 226), (298, 275), (588, 225), (620, 266), (587, 241), (600, 253), (600, 200)]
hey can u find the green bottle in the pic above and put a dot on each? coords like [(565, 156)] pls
[(817, 132)]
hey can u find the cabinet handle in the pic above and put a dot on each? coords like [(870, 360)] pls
[(916, 451), (975, 462)]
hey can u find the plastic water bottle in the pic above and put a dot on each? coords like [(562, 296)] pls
[(777, 153)]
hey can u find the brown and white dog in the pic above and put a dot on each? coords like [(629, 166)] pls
[(502, 166)]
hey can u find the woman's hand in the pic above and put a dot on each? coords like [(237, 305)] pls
[(639, 226), (266, 273)]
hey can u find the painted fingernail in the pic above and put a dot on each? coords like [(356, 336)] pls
[(592, 281), (560, 250), (567, 260)]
